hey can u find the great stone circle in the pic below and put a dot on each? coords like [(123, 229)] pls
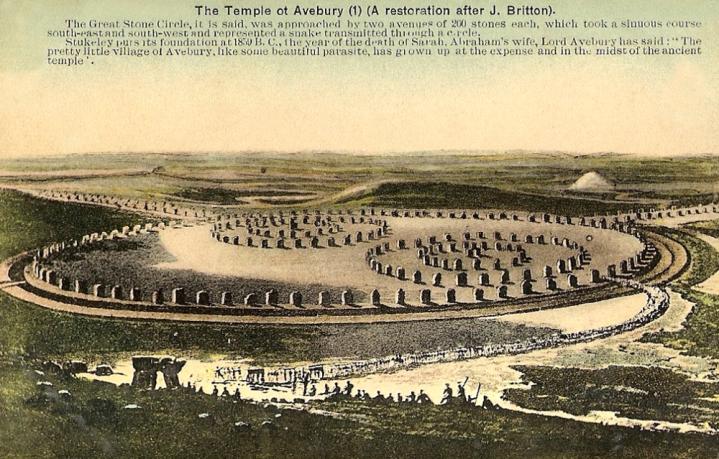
[(363, 264)]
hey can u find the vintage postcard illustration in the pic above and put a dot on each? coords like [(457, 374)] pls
[(356, 229)]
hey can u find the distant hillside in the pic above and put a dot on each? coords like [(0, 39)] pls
[(452, 195)]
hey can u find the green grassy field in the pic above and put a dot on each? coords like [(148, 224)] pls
[(634, 392), (700, 335), (36, 422), (91, 422)]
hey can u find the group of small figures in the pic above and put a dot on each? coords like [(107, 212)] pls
[(448, 397), (337, 393)]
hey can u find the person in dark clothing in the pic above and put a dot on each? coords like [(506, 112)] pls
[(446, 395)]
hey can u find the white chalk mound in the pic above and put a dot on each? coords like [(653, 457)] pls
[(592, 181)]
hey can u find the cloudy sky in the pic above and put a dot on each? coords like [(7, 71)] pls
[(647, 105)]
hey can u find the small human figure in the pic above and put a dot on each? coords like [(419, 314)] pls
[(446, 395), (423, 398), (411, 398), (461, 395)]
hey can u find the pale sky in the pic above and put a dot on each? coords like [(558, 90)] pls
[(657, 105)]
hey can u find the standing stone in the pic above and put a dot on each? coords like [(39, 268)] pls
[(324, 298), (623, 267), (547, 271), (80, 286), (461, 279), (400, 273), (158, 297), (226, 298), (451, 295), (178, 295), (135, 294), (526, 287), (400, 297), (502, 291), (202, 297), (250, 299), (458, 264), (572, 281), (271, 297), (437, 279), (478, 294), (484, 279), (476, 264), (561, 266), (505, 277), (551, 284), (98, 290), (64, 284), (347, 298), (527, 274), (596, 277), (417, 277), (116, 292), (425, 296), (375, 298), (296, 299)]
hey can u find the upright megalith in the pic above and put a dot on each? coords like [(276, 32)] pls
[(417, 277), (502, 292), (451, 296), (477, 264), (375, 298), (146, 368), (461, 280), (116, 292), (478, 294), (596, 276), (170, 368), (425, 296), (400, 297), (324, 298), (226, 299), (484, 279), (80, 286), (145, 372), (400, 273), (178, 295), (98, 290), (250, 299), (572, 281), (347, 298), (271, 298), (526, 286), (158, 296), (135, 294), (551, 284), (296, 299), (437, 279), (202, 298)]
